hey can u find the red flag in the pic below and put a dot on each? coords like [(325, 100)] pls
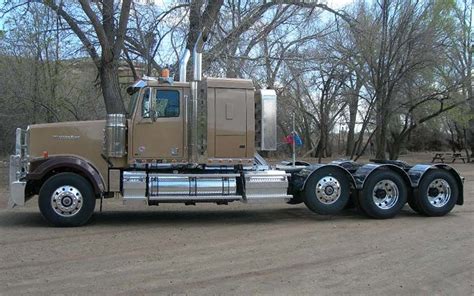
[(288, 139)]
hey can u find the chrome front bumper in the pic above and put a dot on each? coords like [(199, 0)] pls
[(18, 169), (17, 187)]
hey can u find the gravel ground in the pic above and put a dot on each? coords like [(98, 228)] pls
[(238, 249)]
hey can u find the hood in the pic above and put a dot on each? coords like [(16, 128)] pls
[(81, 138)]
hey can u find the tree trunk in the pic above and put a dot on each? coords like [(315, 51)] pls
[(452, 140), (471, 131), (394, 149), (471, 103), (307, 134), (357, 150), (468, 157), (353, 105), (322, 150), (381, 121), (380, 136), (362, 149), (469, 83), (382, 104), (109, 83)]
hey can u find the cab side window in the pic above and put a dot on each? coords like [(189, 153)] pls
[(167, 103), (146, 104)]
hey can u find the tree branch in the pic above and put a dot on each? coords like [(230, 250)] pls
[(122, 27), (73, 24), (99, 29)]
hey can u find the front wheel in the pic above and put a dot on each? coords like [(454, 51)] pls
[(383, 195), (437, 193), (327, 191), (66, 199)]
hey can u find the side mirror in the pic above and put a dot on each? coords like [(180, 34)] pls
[(153, 115)]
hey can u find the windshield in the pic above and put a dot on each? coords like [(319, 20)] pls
[(132, 103)]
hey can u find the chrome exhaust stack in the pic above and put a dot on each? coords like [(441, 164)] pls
[(183, 62), (197, 57), (193, 141)]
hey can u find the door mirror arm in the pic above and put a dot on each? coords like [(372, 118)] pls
[(153, 115)]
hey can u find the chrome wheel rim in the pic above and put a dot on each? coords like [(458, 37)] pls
[(439, 193), (385, 194), (328, 190), (66, 201)]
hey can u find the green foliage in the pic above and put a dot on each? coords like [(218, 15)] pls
[(460, 116)]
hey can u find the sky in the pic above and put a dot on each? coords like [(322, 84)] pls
[(337, 4)]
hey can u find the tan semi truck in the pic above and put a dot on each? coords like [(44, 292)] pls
[(197, 142)]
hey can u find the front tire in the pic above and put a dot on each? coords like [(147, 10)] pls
[(66, 199), (437, 193), (327, 191), (384, 194)]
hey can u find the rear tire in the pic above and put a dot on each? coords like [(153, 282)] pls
[(437, 193), (413, 205), (327, 191), (384, 194), (66, 199)]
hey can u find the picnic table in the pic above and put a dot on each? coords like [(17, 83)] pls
[(441, 156)]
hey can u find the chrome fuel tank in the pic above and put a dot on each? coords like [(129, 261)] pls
[(169, 185)]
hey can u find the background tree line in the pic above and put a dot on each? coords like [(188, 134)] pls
[(375, 76)]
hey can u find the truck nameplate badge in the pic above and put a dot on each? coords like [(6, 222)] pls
[(66, 137)]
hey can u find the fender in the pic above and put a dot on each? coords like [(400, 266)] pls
[(300, 178), (40, 168), (363, 173), (417, 172)]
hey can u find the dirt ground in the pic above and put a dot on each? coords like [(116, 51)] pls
[(238, 249)]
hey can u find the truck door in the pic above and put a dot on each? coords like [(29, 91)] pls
[(158, 125)]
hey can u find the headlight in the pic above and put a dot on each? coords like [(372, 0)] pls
[(27, 143), (21, 142), (18, 141)]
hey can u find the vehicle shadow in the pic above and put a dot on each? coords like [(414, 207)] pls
[(229, 217), (194, 217)]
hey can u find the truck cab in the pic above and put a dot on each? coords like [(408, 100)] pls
[(160, 121), (179, 142)]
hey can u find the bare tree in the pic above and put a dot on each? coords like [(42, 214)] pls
[(199, 22), (460, 56), (38, 83), (110, 34), (397, 41), (148, 30)]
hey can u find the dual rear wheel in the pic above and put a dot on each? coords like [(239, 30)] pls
[(384, 193), (383, 196), (436, 195), (328, 191)]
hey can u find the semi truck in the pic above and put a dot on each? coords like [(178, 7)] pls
[(199, 141)]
